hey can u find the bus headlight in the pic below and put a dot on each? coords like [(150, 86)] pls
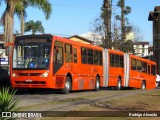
[(14, 74), (45, 74)]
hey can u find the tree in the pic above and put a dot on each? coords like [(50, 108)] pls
[(116, 40), (8, 21), (8, 15), (34, 26), (125, 10), (21, 13), (20, 9), (106, 16)]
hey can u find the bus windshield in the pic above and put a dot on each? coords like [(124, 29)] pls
[(34, 55)]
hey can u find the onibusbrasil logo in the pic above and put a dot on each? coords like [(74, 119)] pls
[(21, 114)]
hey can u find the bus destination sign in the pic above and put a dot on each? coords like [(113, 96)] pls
[(32, 40)]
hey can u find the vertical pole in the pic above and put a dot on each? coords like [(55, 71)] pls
[(108, 8), (122, 20)]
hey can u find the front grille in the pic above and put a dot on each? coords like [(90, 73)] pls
[(34, 82), (29, 74)]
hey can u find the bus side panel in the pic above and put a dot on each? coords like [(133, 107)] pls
[(115, 71), (150, 84), (114, 74), (134, 79)]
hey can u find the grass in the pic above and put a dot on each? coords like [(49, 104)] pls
[(73, 99), (148, 101)]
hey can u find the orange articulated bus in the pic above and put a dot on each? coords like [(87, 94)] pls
[(46, 61), (126, 70), (142, 73)]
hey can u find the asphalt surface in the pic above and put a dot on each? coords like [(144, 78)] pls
[(55, 101)]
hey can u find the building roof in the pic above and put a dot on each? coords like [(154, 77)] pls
[(95, 38), (141, 43), (89, 37), (81, 38)]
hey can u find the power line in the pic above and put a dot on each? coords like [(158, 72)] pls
[(75, 6)]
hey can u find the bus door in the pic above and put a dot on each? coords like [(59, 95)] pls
[(58, 56)]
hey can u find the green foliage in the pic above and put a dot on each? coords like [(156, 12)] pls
[(127, 9), (125, 46), (34, 26), (44, 5), (7, 101), (21, 7)]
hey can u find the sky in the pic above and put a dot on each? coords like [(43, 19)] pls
[(73, 17)]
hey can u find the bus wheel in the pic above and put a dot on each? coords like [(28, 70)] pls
[(143, 87), (97, 84), (67, 86), (119, 85)]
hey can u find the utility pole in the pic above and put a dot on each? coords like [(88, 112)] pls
[(123, 36), (107, 21)]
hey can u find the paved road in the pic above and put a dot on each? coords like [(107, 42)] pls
[(54, 101)]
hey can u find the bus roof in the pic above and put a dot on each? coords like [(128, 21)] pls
[(142, 59), (69, 41), (66, 40)]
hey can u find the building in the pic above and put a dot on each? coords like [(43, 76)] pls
[(141, 48), (155, 17), (3, 57), (88, 38), (93, 37), (80, 39)]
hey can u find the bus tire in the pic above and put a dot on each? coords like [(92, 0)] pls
[(143, 87), (67, 86), (119, 84), (97, 84)]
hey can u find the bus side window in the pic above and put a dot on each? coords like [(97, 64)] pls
[(144, 67), (100, 58), (133, 64), (139, 65), (95, 54), (84, 55), (75, 55), (149, 69), (68, 51), (121, 61), (111, 60), (90, 56), (58, 56), (116, 60), (58, 52), (153, 69)]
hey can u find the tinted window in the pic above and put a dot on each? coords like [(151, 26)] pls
[(90, 56), (68, 55), (84, 55)]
